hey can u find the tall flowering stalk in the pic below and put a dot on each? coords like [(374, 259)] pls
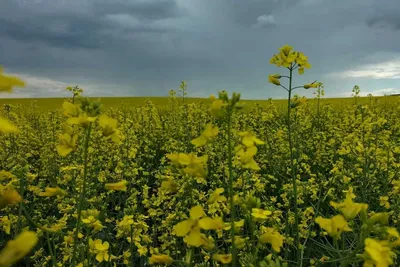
[(291, 60)]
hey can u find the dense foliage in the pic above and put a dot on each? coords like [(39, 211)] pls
[(202, 185)]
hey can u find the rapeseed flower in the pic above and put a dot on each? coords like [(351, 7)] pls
[(208, 134), (18, 248), (9, 196), (190, 228), (334, 226), (7, 127), (274, 78), (246, 159), (160, 259), (377, 253), (223, 258), (67, 143), (273, 237), (100, 249), (52, 191), (7, 83), (349, 208), (260, 214), (120, 186), (109, 127), (249, 139)]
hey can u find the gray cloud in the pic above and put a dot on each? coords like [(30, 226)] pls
[(384, 15)]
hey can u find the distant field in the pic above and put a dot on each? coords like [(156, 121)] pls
[(46, 104)]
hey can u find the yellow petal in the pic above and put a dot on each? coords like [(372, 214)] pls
[(7, 127), (183, 228), (196, 212), (208, 223), (194, 238)]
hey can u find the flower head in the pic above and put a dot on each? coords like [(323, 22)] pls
[(52, 191), (334, 226), (208, 134), (18, 248), (8, 82), (274, 78), (349, 208), (190, 228), (120, 186), (273, 237), (223, 258), (7, 127), (161, 258)]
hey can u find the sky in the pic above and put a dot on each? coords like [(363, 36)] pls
[(147, 47)]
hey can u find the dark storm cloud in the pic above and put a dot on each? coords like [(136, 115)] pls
[(73, 32), (385, 14), (69, 29), (146, 47), (147, 10)]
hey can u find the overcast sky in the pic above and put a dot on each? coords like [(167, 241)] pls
[(147, 47)]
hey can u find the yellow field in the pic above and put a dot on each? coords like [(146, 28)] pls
[(47, 104), (201, 182)]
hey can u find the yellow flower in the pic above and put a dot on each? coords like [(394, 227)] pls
[(334, 226), (18, 248), (93, 222), (7, 127), (260, 214), (100, 249), (67, 144), (272, 237), (190, 228), (120, 186), (82, 120), (249, 139), (216, 108), (223, 258), (5, 221), (209, 133), (311, 85), (161, 258), (52, 191), (9, 196), (285, 57), (274, 78), (8, 82), (109, 127), (393, 232), (246, 159), (195, 165), (380, 217), (349, 208), (301, 60), (71, 110), (240, 241), (377, 253), (237, 225), (384, 201), (216, 196), (169, 185)]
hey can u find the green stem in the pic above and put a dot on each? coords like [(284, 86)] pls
[(293, 172), (83, 193), (353, 254), (54, 262), (231, 188)]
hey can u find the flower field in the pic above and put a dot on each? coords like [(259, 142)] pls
[(204, 183)]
